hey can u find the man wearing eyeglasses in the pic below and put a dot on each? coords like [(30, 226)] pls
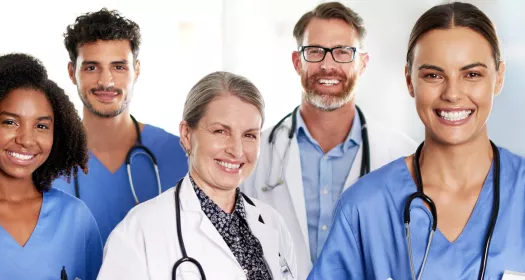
[(309, 158)]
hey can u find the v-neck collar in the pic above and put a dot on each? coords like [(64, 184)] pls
[(123, 164), (35, 239), (484, 195)]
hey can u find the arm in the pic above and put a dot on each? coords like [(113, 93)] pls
[(93, 248), (341, 255)]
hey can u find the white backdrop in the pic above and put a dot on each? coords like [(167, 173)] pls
[(184, 40)]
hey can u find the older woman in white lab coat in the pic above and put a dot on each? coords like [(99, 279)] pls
[(205, 218)]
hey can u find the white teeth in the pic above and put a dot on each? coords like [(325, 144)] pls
[(328, 82), (455, 116), (228, 165), (21, 156)]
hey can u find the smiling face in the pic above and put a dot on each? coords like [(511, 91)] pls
[(329, 85), (26, 132), (224, 146), (105, 74), (454, 80)]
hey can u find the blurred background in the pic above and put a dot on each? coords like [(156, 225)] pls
[(184, 40)]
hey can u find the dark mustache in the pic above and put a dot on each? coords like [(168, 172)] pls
[(109, 89)]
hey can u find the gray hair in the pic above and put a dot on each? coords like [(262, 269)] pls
[(217, 84)]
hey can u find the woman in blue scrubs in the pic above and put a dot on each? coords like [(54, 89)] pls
[(44, 233), (454, 71)]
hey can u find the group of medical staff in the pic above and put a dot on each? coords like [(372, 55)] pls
[(326, 193)]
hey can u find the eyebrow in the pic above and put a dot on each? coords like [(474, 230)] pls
[(472, 65), (430, 67), (228, 127), (466, 67), (42, 118), (86, 62)]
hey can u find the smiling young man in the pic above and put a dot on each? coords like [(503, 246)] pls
[(103, 47), (326, 153)]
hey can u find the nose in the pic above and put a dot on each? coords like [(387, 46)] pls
[(235, 147), (105, 78), (25, 136), (328, 62), (453, 91)]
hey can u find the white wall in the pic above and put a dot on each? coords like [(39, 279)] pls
[(184, 40)]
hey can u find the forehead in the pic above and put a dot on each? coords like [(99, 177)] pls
[(24, 101), (455, 47), (330, 33), (105, 51), (231, 110)]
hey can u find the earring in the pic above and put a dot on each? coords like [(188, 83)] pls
[(188, 153)]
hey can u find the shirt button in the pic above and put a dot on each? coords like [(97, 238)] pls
[(325, 190), (324, 228), (326, 157)]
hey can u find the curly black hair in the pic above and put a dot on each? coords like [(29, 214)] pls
[(69, 151), (102, 25)]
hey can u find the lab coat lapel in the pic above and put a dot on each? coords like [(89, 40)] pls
[(267, 236), (355, 170), (294, 174), (191, 203)]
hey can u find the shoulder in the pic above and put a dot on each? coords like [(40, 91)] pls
[(65, 200), (513, 163), (157, 135), (377, 187), (155, 207)]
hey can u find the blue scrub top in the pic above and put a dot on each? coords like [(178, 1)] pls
[(367, 240), (66, 234), (108, 195)]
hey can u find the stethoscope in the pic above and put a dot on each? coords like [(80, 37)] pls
[(284, 265), (129, 158), (365, 160), (421, 195)]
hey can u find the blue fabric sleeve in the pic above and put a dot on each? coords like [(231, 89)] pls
[(340, 257), (93, 248)]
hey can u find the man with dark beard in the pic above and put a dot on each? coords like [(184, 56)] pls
[(103, 47), (309, 158)]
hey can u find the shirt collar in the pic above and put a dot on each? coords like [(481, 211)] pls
[(204, 200), (353, 138)]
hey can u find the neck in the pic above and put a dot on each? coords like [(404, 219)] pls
[(224, 198), (454, 167), (14, 190), (106, 134), (328, 128)]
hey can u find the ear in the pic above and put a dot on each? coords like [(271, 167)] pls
[(500, 78), (137, 70), (297, 63), (365, 57), (408, 80), (185, 135), (71, 71)]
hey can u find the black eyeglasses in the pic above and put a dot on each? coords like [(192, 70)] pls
[(341, 54)]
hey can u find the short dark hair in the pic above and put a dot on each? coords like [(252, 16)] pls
[(330, 10), (451, 15), (101, 25), (69, 151)]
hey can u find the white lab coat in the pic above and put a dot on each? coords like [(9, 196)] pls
[(386, 145), (145, 244)]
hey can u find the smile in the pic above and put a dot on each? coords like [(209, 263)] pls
[(230, 166), (327, 82), (454, 116), (23, 157)]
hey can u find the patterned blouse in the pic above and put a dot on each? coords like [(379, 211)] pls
[(236, 233)]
